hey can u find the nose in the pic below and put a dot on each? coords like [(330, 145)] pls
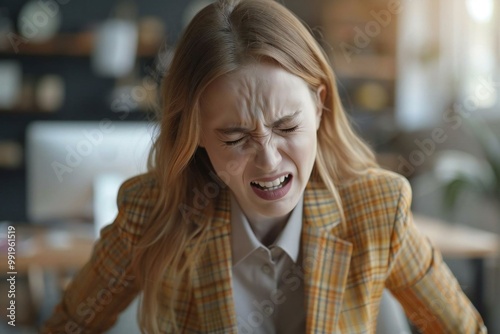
[(267, 156)]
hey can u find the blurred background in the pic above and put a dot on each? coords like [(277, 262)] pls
[(78, 91)]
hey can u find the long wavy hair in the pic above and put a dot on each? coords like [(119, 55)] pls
[(220, 39)]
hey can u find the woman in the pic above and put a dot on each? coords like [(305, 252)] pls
[(264, 212)]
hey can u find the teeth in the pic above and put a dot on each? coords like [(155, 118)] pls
[(271, 185)]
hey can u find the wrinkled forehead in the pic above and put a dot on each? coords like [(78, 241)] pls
[(257, 92)]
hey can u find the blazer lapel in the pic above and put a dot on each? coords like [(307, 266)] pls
[(325, 259), (212, 286)]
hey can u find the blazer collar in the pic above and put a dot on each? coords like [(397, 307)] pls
[(212, 282), (320, 208), (325, 263), (326, 259)]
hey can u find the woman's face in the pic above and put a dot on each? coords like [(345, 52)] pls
[(259, 127)]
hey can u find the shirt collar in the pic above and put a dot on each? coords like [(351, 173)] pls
[(244, 241)]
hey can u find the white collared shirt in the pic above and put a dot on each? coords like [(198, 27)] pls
[(268, 284)]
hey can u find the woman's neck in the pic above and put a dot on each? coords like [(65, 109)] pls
[(268, 229)]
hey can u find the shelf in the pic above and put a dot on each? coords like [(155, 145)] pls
[(71, 44), (26, 115), (18, 110), (364, 66)]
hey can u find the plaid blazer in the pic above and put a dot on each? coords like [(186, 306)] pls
[(345, 267)]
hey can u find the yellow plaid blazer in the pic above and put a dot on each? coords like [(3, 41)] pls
[(346, 265)]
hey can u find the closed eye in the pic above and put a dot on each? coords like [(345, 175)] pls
[(234, 142), (290, 129)]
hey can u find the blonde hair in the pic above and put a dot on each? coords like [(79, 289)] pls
[(220, 39)]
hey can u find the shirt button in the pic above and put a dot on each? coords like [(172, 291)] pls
[(266, 269), (268, 310)]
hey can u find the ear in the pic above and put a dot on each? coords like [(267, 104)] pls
[(320, 100)]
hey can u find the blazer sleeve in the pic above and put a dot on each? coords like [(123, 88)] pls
[(106, 285), (424, 285)]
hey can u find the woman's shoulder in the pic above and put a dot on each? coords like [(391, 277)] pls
[(376, 187), (136, 199), (371, 202), (377, 180), (140, 187)]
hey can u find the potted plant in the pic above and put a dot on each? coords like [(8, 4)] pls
[(481, 175)]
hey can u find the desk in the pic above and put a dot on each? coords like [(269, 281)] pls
[(458, 241), (47, 256), (51, 248)]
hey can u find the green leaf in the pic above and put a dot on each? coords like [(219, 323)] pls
[(452, 191)]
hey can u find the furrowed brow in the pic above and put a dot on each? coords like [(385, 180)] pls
[(239, 129), (232, 130), (286, 119)]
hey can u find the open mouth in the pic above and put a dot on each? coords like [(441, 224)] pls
[(280, 182)]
